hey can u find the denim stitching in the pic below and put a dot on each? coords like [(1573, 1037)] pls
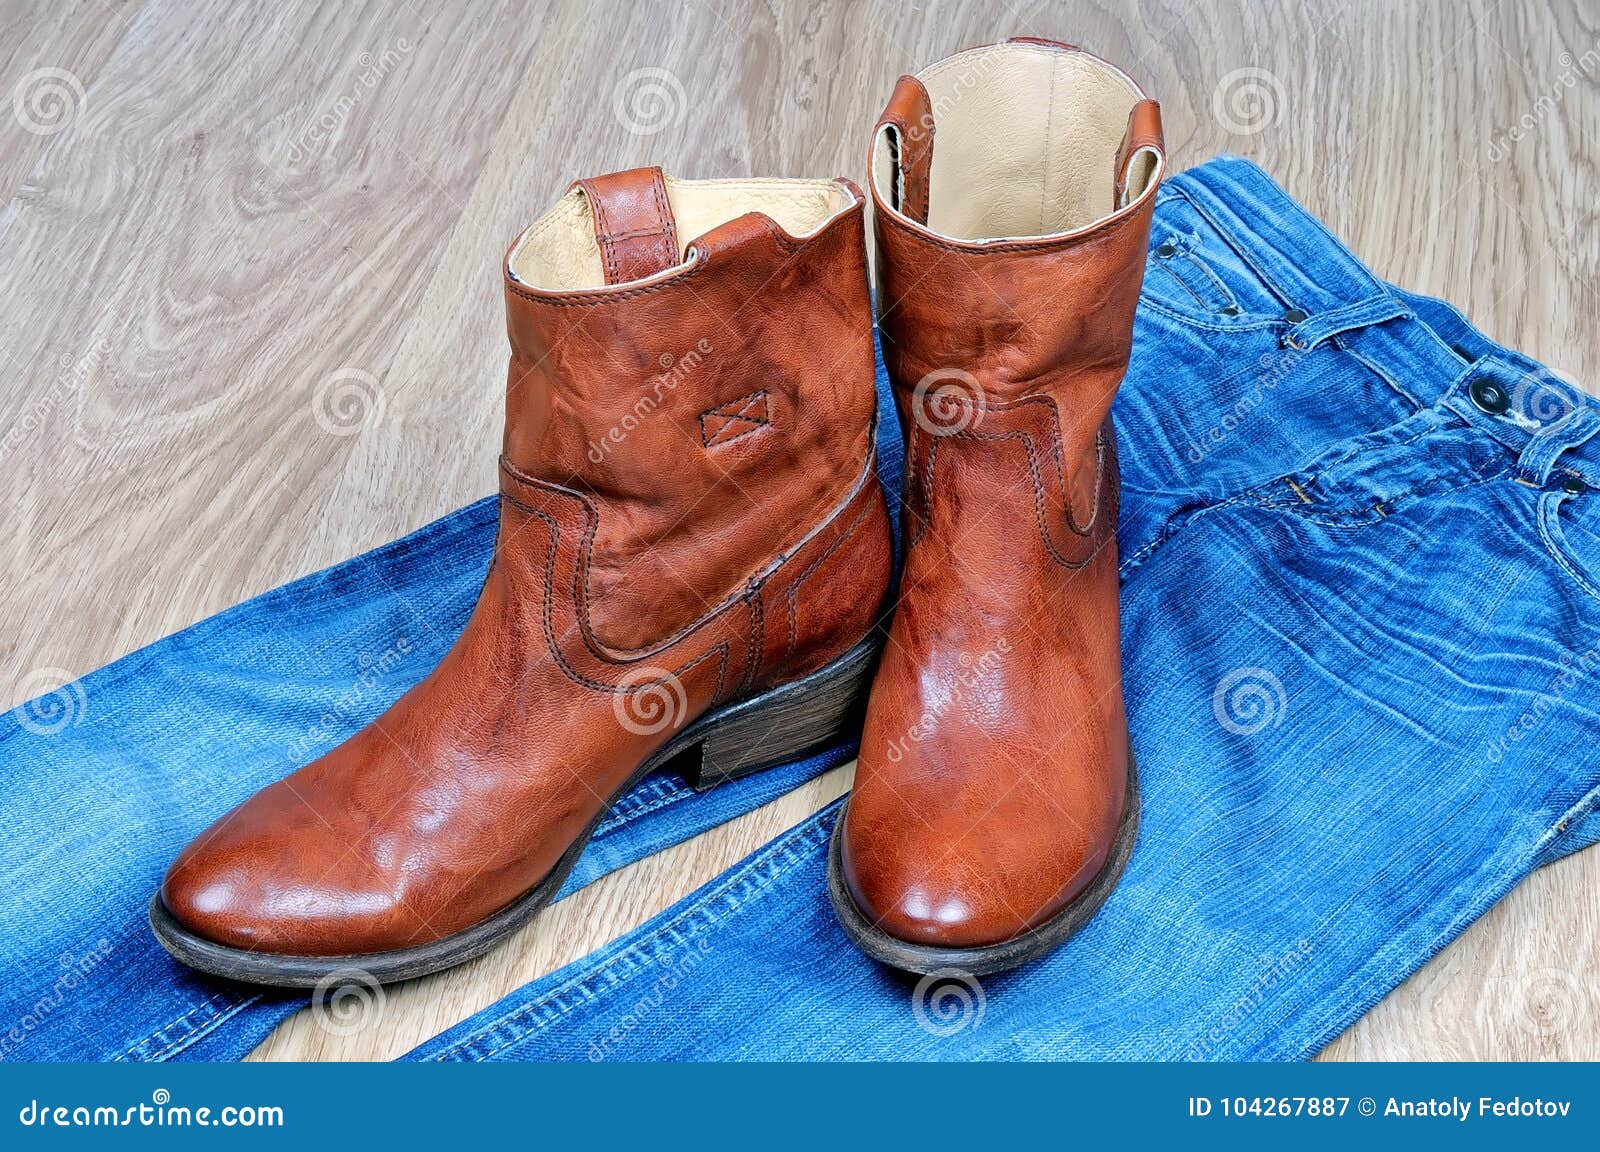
[(1165, 266), (1555, 540), (1349, 518), (200, 1033), (160, 1034), (701, 913), (1314, 468), (666, 792), (1193, 257), (1377, 370), (1197, 322), (633, 961), (1232, 242)]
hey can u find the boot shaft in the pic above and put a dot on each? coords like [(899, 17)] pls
[(696, 358), (1013, 189)]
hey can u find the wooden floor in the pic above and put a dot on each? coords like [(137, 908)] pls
[(212, 208)]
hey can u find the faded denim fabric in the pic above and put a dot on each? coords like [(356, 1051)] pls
[(1361, 633), (106, 779)]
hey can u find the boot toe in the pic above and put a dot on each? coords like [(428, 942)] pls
[(969, 882), (918, 895), (258, 880)]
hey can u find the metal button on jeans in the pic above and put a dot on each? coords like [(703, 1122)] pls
[(1294, 316), (1573, 485), (1489, 396)]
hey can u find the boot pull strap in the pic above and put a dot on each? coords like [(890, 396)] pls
[(1142, 155), (632, 223), (906, 127)]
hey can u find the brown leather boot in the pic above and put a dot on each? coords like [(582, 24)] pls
[(693, 548), (995, 803)]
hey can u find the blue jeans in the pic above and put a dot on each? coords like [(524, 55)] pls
[(1358, 625), (1361, 562)]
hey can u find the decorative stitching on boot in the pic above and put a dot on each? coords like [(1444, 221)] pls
[(727, 422), (792, 593), (758, 627), (719, 650), (1089, 532)]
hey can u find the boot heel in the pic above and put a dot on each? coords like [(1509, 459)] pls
[(823, 709)]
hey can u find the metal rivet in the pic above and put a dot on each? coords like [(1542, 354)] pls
[(1294, 316), (1489, 396), (1166, 249), (1573, 485)]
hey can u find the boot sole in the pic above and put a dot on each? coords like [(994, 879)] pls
[(985, 959), (776, 727)]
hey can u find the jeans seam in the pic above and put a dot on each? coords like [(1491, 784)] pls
[(1169, 529), (1240, 249), (1223, 291), (1554, 540), (1196, 322), (202, 1031), (698, 914), (216, 1015), (1165, 266), (1347, 519), (1376, 370), (1314, 468), (622, 816)]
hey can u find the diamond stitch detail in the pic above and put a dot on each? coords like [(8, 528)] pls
[(729, 421)]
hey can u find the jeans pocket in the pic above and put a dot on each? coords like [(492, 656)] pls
[(1198, 275), (1571, 536)]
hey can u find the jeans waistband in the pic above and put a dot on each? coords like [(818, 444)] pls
[(1426, 348)]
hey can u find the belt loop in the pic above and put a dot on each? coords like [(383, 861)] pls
[(1313, 330), (1546, 447)]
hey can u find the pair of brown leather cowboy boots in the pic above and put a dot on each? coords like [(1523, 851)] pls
[(694, 556)]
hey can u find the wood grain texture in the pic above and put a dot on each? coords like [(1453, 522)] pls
[(253, 209)]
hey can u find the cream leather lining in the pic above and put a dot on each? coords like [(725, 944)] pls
[(558, 252), (1025, 142)]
